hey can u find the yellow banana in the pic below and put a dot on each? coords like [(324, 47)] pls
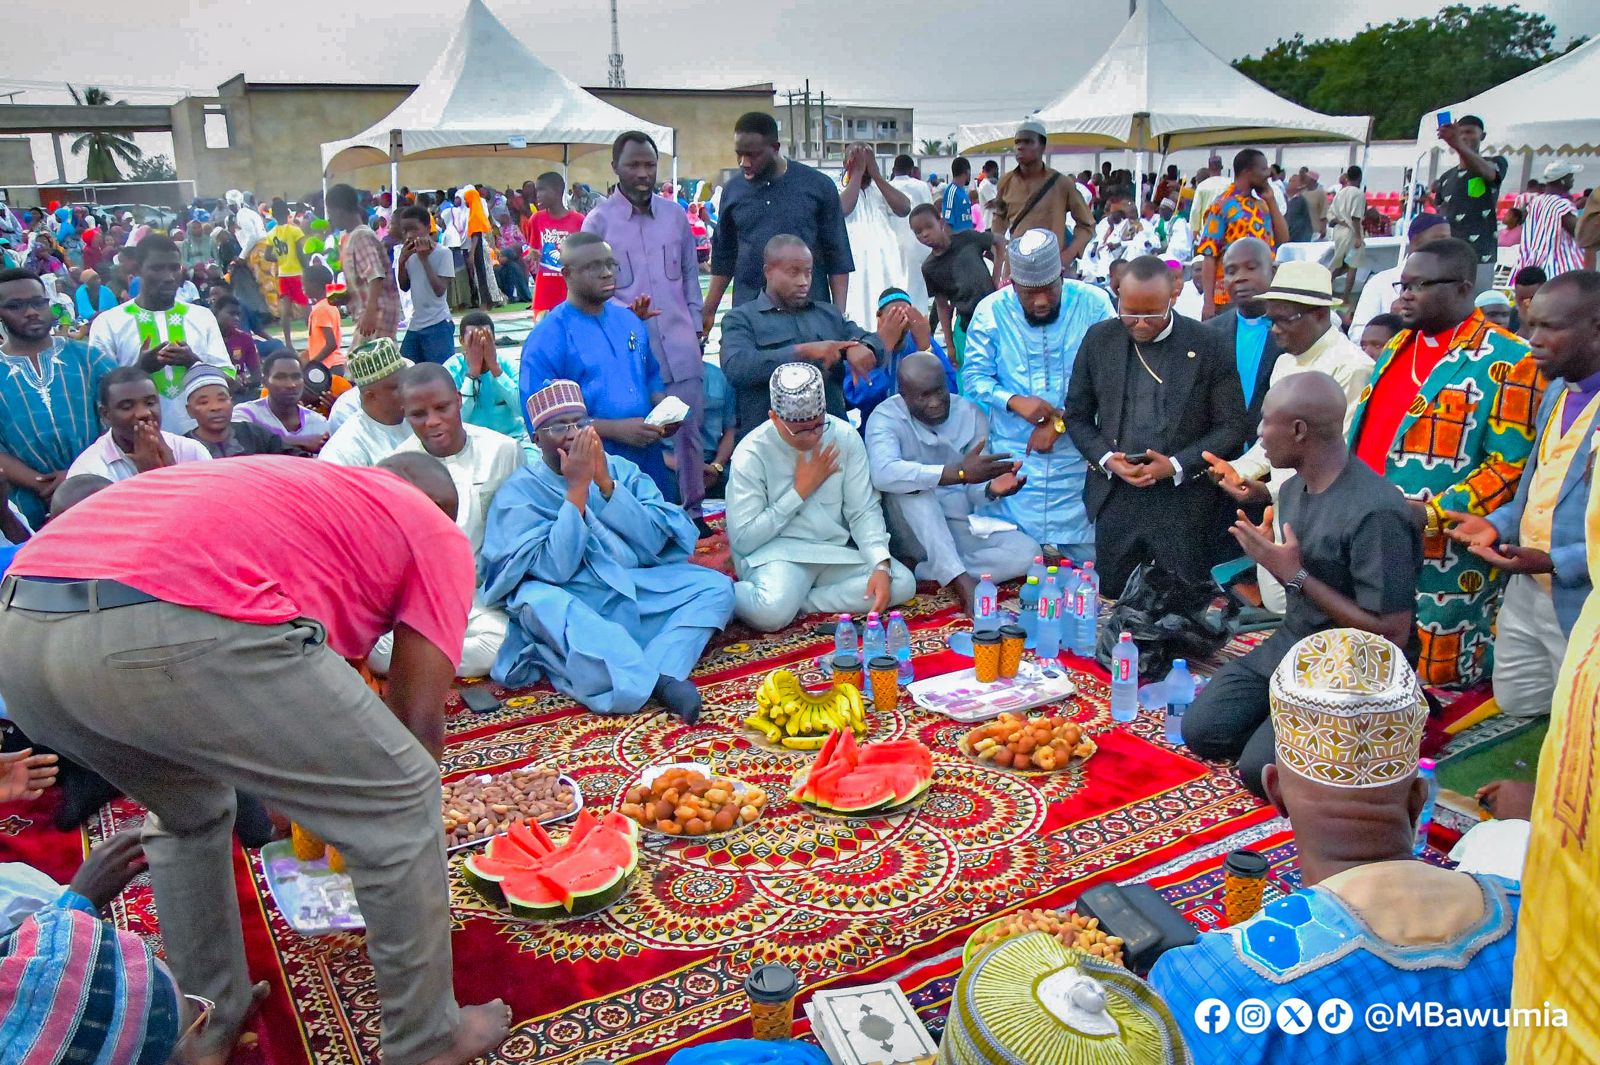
[(804, 743)]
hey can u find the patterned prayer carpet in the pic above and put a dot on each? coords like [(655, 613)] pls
[(840, 901)]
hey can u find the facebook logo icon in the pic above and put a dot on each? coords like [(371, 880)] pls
[(1212, 1016)]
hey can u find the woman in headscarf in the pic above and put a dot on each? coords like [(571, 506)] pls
[(194, 248)]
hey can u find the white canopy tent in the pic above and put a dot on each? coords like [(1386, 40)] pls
[(1157, 89), (488, 95), (1550, 110)]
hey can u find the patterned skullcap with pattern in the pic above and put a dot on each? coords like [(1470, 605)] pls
[(798, 393), (373, 361), (1347, 710), (555, 399)]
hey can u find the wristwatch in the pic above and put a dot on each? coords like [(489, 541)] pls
[(720, 468), (1295, 583)]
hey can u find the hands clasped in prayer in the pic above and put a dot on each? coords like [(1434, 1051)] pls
[(583, 463)]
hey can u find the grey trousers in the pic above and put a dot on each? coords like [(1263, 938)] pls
[(1528, 648), (177, 708), (944, 547)]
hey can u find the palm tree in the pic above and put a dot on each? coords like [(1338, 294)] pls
[(932, 146), (104, 148)]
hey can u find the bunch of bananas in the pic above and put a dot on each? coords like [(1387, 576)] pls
[(793, 717)]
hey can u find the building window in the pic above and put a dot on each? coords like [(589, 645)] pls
[(216, 128)]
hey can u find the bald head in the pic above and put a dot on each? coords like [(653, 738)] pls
[(1313, 398), (920, 369), (1248, 250), (75, 490), (428, 474), (426, 373), (782, 245), (924, 388)]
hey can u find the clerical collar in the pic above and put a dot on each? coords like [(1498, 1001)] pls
[(1172, 320)]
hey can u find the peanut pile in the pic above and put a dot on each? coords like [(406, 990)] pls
[(475, 808), (1070, 929)]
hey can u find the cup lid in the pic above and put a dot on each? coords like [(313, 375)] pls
[(771, 984), (884, 662), (1244, 862), (986, 637), (1013, 632), (846, 662)]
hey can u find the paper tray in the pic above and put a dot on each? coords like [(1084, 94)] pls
[(313, 900), (960, 697)]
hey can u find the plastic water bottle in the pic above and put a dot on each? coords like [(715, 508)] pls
[(1125, 679), (1029, 612), (1086, 610), (845, 639), (985, 607), (1426, 768), (1037, 570), (874, 643), (1047, 645), (900, 645), (1069, 599), (1180, 693)]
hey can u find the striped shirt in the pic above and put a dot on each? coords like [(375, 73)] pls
[(1545, 241), (47, 415)]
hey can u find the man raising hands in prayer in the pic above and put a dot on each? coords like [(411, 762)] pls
[(593, 566), (804, 522)]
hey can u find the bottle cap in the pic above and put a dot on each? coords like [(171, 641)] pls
[(772, 984), (1033, 580), (1052, 569), (1180, 663), (844, 619), (1426, 763), (1089, 564), (1038, 559), (893, 614), (1126, 637), (986, 577)]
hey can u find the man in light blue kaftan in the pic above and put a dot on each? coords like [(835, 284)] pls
[(592, 565), (1021, 347)]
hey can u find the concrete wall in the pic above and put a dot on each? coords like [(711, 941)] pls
[(16, 161), (276, 134)]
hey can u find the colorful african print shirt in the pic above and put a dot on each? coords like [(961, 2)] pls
[(1462, 443), (1311, 960), (1229, 219), (1545, 240)]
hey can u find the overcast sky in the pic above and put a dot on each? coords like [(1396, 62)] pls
[(938, 56)]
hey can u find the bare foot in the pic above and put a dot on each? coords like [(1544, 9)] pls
[(967, 588), (216, 1045), (482, 1029)]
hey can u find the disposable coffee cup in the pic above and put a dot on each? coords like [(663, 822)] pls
[(771, 990)]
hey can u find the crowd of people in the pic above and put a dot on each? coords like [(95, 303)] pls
[(910, 385)]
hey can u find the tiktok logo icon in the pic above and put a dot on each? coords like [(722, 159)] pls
[(1212, 1016)]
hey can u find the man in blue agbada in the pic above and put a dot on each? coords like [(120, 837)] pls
[(1372, 925), (1021, 346), (592, 565)]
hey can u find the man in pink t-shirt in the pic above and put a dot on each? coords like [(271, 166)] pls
[(182, 675)]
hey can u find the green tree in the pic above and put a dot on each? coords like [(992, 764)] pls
[(104, 149), (1403, 69), (153, 168), (933, 146)]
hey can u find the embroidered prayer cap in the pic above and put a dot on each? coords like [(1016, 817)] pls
[(1309, 284), (798, 393), (373, 361), (1035, 259), (75, 988), (200, 377), (1031, 125), (1492, 297), (1347, 710), (553, 400)]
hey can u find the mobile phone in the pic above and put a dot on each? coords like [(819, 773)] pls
[(825, 628), (1138, 460), (480, 700), (1444, 118)]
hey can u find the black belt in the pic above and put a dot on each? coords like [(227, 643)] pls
[(68, 597)]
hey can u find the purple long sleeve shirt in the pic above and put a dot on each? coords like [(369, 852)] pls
[(656, 258)]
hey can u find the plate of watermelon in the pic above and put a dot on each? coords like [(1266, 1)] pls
[(524, 871), (871, 780)]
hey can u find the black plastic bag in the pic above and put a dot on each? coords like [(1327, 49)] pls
[(1170, 617)]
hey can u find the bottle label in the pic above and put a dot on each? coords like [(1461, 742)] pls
[(1044, 607), (1124, 669), (986, 606), (1081, 604)]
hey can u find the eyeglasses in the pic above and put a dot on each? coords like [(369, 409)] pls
[(1144, 317), (566, 427), (34, 303), (805, 428), (1402, 287), (1290, 320)]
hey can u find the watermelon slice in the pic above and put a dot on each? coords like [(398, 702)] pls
[(585, 824), (906, 751), (535, 897), (824, 759), (846, 751), (856, 792), (502, 849), (532, 838), (620, 823)]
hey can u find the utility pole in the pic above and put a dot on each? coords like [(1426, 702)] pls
[(614, 75), (822, 111), (805, 140), (791, 123)]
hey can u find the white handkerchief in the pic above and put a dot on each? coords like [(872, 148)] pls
[(669, 411), (983, 526)]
